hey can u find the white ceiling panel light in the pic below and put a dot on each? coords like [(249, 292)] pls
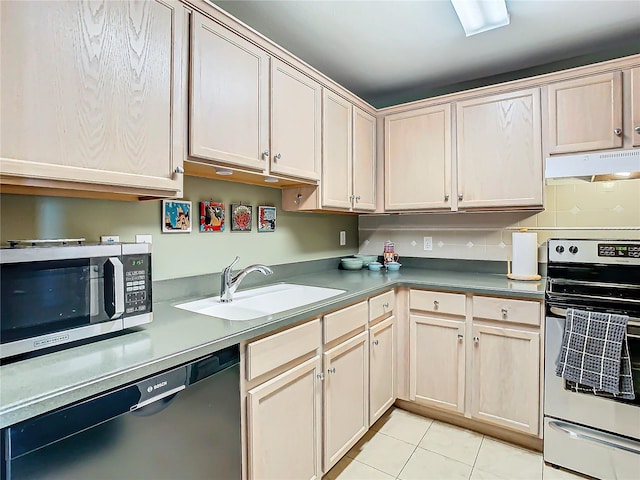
[(477, 16)]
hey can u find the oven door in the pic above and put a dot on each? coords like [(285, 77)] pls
[(612, 415), (43, 302)]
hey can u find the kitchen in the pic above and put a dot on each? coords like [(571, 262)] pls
[(179, 256)]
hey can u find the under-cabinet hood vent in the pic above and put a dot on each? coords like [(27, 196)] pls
[(592, 167)]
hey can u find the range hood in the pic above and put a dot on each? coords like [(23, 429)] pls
[(593, 167)]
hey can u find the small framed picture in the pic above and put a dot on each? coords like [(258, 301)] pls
[(211, 217), (241, 217), (176, 216), (266, 219)]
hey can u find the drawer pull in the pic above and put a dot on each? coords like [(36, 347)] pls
[(385, 305), (504, 311), (436, 304), (460, 337)]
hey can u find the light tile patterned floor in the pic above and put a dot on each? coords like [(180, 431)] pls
[(405, 446)]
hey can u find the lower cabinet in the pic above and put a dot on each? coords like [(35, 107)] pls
[(345, 394), (382, 367), (506, 374), (437, 362), (283, 415)]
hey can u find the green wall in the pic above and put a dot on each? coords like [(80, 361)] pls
[(298, 236)]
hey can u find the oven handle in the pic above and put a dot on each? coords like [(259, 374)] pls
[(556, 281), (562, 312), (580, 433)]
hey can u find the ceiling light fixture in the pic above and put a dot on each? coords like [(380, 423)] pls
[(477, 16)]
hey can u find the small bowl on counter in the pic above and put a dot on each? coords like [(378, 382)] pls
[(351, 263), (375, 266), (393, 266), (366, 259)]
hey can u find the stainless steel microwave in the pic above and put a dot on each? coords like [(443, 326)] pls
[(56, 294)]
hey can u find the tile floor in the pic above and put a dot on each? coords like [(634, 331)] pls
[(405, 446)]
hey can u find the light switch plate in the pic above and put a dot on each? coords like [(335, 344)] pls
[(343, 238), (428, 243), (109, 238)]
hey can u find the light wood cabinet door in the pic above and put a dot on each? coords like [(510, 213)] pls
[(585, 113), (295, 122), (382, 368), (229, 101), (437, 362), (417, 159), (506, 377), (364, 161), (346, 393), (337, 141), (92, 94), (635, 106), (499, 151), (283, 425)]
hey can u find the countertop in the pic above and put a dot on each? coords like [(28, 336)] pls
[(37, 385)]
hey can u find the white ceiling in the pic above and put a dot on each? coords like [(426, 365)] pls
[(389, 52)]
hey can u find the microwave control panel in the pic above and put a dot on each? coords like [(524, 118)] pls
[(137, 284)]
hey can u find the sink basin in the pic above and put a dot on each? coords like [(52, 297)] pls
[(261, 302)]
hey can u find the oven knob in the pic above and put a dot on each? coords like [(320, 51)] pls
[(559, 249), (573, 249)]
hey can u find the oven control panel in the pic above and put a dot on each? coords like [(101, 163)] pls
[(619, 250)]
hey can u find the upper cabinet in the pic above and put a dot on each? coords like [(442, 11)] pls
[(417, 159), (499, 151), (229, 102), (585, 113), (348, 155), (635, 106), (295, 122), (92, 97)]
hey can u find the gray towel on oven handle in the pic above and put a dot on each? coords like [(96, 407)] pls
[(594, 353)]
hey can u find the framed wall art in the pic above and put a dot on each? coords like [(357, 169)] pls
[(212, 216), (266, 219), (241, 217), (176, 216)]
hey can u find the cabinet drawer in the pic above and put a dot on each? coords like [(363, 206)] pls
[(439, 302), (343, 321), (507, 310), (382, 304), (270, 352)]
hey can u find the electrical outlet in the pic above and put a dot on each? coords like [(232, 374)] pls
[(428, 243), (109, 239), (143, 238), (343, 238)]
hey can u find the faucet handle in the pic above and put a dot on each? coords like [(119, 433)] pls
[(233, 263)]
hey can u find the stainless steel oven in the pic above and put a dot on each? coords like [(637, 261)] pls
[(591, 432), (52, 294)]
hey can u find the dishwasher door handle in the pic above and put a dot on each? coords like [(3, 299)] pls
[(151, 400)]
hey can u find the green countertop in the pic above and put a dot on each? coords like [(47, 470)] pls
[(37, 385)]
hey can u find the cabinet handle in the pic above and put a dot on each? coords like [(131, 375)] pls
[(375, 342), (446, 197), (617, 131), (460, 196), (265, 154), (636, 129), (320, 376), (331, 370), (460, 337), (385, 305), (476, 340), (277, 156), (504, 311), (178, 170), (436, 304)]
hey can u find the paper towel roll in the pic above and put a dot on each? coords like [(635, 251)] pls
[(524, 255)]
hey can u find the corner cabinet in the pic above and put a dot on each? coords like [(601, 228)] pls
[(585, 113), (499, 151), (295, 122), (92, 97), (229, 101), (417, 159)]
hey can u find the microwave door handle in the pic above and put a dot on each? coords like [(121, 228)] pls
[(117, 292)]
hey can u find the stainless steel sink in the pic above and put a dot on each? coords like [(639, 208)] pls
[(261, 302)]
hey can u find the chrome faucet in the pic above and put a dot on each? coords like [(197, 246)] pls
[(228, 285)]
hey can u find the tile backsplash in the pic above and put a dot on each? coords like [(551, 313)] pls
[(573, 210)]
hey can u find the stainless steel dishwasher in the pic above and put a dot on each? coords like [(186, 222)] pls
[(180, 424)]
